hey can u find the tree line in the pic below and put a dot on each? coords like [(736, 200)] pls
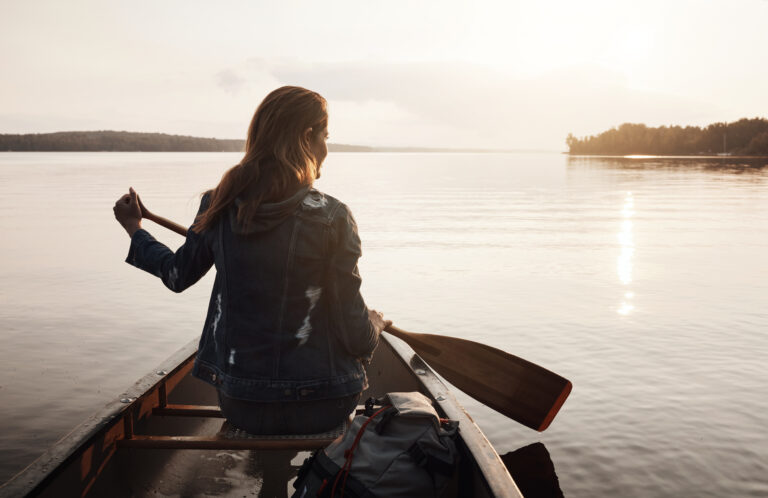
[(125, 141), (747, 137), (117, 141)]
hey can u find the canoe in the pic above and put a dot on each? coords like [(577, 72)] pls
[(165, 437)]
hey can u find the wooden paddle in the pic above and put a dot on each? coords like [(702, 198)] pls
[(515, 387), (519, 389)]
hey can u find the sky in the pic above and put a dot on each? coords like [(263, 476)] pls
[(481, 74)]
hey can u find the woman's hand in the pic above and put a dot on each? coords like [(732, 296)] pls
[(377, 319), (128, 212), (144, 211)]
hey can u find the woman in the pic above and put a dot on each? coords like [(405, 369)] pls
[(287, 333)]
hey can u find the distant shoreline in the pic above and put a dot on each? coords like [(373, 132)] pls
[(742, 138), (124, 141), (668, 156)]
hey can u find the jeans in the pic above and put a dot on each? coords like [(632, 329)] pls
[(287, 417)]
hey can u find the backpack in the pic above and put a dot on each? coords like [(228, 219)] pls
[(399, 447)]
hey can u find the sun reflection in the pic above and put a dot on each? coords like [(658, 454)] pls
[(625, 308), (626, 256), (627, 252)]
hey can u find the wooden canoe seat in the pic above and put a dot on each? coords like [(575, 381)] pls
[(228, 437), (237, 436)]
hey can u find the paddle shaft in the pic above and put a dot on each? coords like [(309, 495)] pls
[(164, 222), (517, 388)]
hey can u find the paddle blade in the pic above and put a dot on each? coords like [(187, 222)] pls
[(517, 388)]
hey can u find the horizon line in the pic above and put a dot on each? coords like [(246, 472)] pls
[(363, 147)]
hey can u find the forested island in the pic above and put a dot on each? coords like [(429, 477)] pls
[(124, 141), (748, 137)]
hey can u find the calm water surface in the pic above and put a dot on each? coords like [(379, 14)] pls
[(643, 281)]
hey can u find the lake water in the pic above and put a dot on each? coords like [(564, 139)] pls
[(643, 281)]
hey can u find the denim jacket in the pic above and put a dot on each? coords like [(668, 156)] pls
[(286, 320)]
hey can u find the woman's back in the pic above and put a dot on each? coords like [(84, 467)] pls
[(286, 322), (292, 323)]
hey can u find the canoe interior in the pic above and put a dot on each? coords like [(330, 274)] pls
[(97, 458)]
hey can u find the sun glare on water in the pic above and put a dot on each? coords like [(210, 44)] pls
[(626, 256)]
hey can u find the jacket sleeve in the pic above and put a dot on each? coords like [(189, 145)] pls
[(353, 327), (177, 270)]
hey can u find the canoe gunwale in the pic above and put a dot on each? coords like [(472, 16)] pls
[(107, 426)]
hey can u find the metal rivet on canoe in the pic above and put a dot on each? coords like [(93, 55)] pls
[(161, 372), (420, 371), (126, 400), (440, 398)]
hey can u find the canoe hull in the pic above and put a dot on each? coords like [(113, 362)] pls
[(102, 457)]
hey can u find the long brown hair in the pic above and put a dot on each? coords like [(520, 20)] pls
[(278, 159)]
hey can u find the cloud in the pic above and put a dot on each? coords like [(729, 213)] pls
[(230, 81), (461, 104), (440, 104)]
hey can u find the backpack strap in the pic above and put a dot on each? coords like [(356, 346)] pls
[(349, 453), (386, 418)]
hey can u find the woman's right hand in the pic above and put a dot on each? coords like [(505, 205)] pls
[(128, 212), (378, 321)]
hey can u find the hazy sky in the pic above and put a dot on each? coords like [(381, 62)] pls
[(472, 74)]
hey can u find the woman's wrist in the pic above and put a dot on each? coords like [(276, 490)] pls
[(132, 227)]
